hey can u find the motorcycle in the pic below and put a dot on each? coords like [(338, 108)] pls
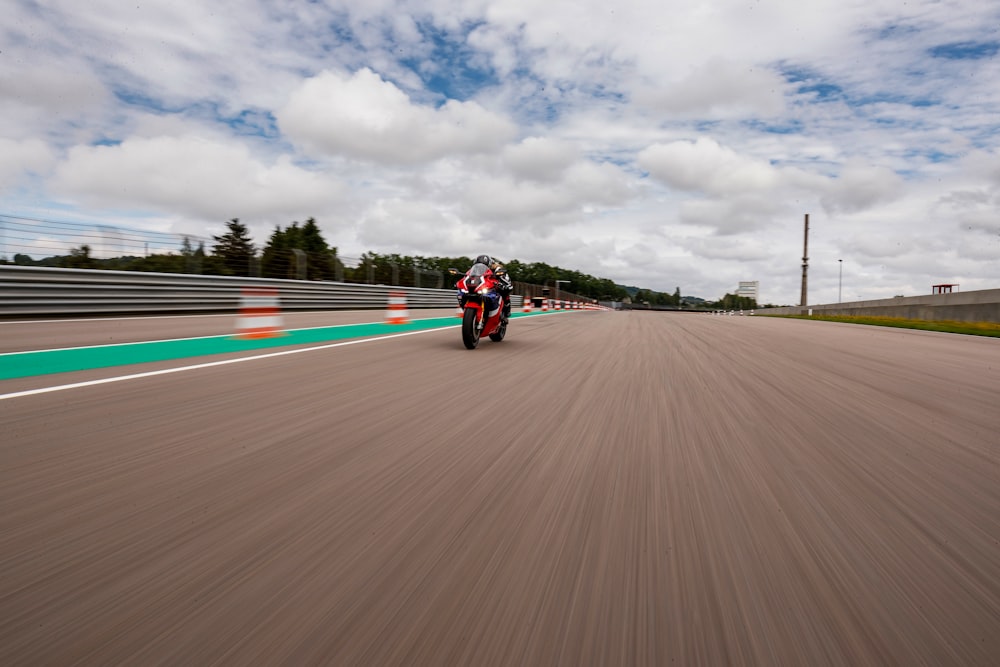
[(481, 304)]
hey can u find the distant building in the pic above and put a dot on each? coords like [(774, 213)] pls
[(749, 288)]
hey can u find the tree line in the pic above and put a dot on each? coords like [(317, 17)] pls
[(299, 251)]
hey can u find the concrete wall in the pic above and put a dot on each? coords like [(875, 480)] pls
[(976, 306)]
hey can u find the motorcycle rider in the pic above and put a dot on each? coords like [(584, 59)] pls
[(504, 284)]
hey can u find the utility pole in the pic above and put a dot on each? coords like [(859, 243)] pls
[(805, 266), (840, 285)]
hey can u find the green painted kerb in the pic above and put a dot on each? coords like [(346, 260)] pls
[(26, 364)]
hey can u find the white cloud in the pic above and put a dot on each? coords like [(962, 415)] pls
[(204, 178), (972, 210), (20, 159), (860, 186), (61, 86), (539, 158), (515, 203), (518, 203), (734, 215), (412, 227), (720, 89), (366, 117), (705, 166)]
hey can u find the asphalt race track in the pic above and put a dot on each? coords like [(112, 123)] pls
[(600, 488)]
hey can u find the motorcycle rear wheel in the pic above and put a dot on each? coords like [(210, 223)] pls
[(470, 328), (498, 335)]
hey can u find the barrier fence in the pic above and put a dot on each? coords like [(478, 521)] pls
[(47, 291), (41, 291)]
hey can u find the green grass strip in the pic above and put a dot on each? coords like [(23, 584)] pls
[(946, 326), (46, 362)]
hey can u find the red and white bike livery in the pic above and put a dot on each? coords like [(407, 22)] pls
[(482, 306)]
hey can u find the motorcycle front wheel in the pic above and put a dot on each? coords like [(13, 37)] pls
[(470, 328)]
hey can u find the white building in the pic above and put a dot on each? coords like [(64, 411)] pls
[(749, 288)]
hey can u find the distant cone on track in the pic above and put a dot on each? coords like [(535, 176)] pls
[(260, 313), (397, 312), (527, 304)]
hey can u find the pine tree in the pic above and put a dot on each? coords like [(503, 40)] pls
[(321, 265), (235, 248), (277, 261)]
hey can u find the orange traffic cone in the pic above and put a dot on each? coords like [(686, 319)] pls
[(260, 313), (459, 311), (545, 305), (397, 312), (527, 304)]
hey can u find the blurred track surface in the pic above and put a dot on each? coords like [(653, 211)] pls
[(599, 489)]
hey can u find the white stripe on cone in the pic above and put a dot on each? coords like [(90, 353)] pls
[(260, 313), (259, 322), (397, 312)]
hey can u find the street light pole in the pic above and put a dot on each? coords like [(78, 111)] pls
[(840, 287)]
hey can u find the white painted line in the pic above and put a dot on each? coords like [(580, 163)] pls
[(179, 369)]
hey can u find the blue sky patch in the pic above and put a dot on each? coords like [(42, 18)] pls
[(965, 50), (811, 83), (790, 126), (253, 122), (824, 91), (896, 31), (892, 98), (139, 99), (458, 70), (541, 101), (795, 74), (930, 155), (340, 31)]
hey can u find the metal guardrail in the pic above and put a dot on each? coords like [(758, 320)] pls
[(39, 291)]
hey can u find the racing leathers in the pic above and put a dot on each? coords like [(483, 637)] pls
[(504, 286)]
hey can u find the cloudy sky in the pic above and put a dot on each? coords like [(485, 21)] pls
[(660, 144)]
